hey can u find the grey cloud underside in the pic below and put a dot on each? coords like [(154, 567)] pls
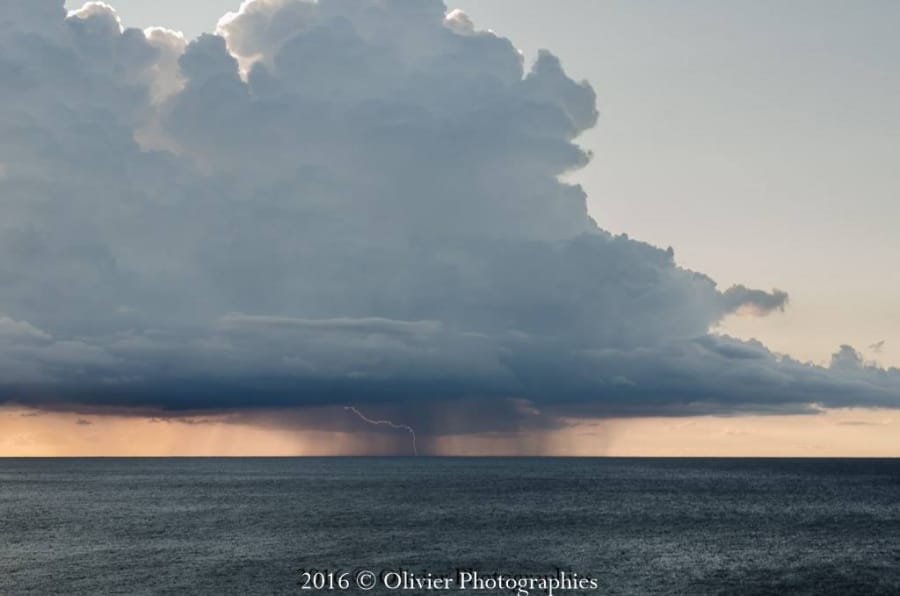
[(339, 202)]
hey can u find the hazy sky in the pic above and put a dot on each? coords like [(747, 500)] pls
[(673, 232), (761, 140)]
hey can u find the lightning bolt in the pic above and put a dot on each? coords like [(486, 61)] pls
[(408, 429)]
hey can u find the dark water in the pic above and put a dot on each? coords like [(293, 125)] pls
[(639, 526)]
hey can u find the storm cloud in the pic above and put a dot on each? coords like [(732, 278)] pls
[(341, 202)]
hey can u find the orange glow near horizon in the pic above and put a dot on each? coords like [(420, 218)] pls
[(837, 433)]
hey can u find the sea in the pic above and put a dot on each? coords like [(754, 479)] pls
[(376, 525)]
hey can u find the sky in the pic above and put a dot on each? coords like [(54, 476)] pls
[(420, 212)]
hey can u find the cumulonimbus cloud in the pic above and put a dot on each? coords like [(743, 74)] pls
[(339, 202)]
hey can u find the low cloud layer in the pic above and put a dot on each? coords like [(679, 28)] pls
[(334, 203)]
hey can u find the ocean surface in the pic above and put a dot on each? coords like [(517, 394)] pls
[(637, 526)]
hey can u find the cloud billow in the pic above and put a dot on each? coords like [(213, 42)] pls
[(339, 202)]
